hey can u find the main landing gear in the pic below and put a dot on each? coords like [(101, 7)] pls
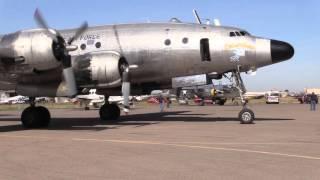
[(109, 112), (246, 115), (39, 116), (35, 116)]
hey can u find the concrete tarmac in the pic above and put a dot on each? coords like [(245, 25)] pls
[(184, 142)]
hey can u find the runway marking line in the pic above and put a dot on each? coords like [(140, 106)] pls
[(172, 145), (202, 147), (253, 143)]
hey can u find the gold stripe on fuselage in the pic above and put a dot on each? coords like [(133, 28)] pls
[(239, 45)]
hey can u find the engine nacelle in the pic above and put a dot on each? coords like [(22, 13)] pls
[(31, 47), (215, 76), (100, 69), (58, 89)]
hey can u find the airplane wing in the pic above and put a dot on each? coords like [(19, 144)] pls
[(6, 86)]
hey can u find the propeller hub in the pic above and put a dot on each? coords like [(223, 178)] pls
[(59, 48)]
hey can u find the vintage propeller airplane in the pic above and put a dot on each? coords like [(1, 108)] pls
[(117, 59)]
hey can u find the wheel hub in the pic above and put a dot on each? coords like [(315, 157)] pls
[(246, 116)]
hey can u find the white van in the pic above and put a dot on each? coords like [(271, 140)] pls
[(273, 97)]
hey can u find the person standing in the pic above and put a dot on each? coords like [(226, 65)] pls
[(161, 102), (168, 102), (313, 101)]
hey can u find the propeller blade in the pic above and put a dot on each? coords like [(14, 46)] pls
[(40, 20), (43, 24), (68, 76), (79, 32), (70, 82), (126, 89)]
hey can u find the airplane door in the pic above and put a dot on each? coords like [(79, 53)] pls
[(205, 49)]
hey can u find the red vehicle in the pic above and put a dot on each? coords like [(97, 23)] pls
[(198, 100), (213, 100), (153, 100)]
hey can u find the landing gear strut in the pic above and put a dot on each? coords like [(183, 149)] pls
[(35, 117), (246, 115), (108, 111)]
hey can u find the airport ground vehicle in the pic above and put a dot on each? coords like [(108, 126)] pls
[(272, 97)]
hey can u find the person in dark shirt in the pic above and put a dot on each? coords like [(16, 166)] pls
[(313, 101)]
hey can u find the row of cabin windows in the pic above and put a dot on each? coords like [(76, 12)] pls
[(167, 42), (84, 46), (204, 47), (185, 40), (239, 33)]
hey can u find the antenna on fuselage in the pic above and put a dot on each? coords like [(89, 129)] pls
[(196, 15), (216, 22)]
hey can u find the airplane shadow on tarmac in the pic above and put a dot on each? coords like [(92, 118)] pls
[(137, 120)]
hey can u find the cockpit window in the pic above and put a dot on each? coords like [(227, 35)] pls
[(244, 33), (239, 33), (232, 34)]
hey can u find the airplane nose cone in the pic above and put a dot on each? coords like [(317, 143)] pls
[(281, 51)]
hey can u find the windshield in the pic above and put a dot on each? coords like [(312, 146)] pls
[(244, 33), (238, 33)]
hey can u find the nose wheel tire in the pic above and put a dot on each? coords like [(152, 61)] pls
[(35, 117), (109, 112), (246, 116)]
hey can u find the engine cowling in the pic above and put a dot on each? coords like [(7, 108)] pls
[(34, 48), (92, 70), (101, 69)]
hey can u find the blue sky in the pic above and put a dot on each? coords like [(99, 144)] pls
[(294, 21)]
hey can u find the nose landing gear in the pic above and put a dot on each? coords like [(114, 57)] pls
[(246, 115), (35, 116)]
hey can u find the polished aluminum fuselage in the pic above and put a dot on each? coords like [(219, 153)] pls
[(160, 51), (144, 45)]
